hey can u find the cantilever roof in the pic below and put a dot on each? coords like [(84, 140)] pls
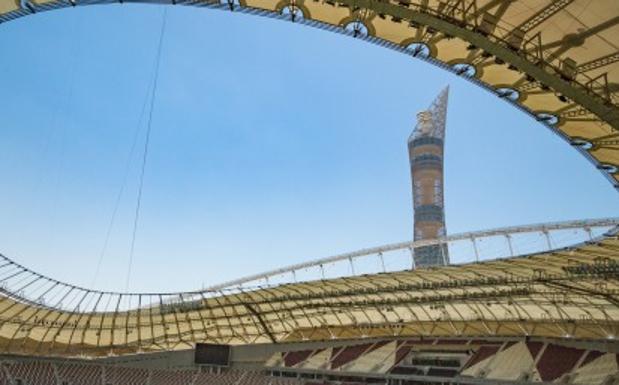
[(568, 293), (559, 59)]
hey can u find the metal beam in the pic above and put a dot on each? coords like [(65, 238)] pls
[(604, 222), (579, 94), (599, 63), (262, 323), (544, 14)]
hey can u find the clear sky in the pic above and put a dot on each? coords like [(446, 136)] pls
[(272, 143)]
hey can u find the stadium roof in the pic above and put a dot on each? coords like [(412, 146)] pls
[(557, 59), (567, 293)]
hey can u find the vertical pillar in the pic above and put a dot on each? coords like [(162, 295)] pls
[(475, 249), (547, 236), (589, 233), (382, 261), (509, 243)]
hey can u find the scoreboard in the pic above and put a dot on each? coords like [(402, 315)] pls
[(212, 354)]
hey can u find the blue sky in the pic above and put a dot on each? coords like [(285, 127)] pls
[(271, 143)]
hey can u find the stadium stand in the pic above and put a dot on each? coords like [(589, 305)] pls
[(58, 373), (516, 361), (464, 362)]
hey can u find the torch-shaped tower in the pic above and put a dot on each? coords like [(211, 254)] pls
[(425, 151)]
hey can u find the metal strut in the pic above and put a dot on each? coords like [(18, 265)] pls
[(261, 321)]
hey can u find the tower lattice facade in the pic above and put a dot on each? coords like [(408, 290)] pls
[(425, 150)]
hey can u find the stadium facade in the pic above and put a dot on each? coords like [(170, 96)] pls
[(425, 151)]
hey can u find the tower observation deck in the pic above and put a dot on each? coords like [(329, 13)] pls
[(425, 151)]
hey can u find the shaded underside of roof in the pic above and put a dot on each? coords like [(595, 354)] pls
[(571, 293), (559, 57), (554, 58)]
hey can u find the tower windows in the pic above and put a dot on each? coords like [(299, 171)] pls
[(438, 193), (417, 193)]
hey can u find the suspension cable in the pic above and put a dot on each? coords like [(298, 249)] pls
[(123, 185), (146, 143)]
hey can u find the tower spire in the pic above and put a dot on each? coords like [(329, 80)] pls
[(425, 151)]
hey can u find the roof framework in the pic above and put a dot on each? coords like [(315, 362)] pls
[(565, 293), (556, 59)]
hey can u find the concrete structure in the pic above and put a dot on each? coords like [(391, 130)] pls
[(425, 151)]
